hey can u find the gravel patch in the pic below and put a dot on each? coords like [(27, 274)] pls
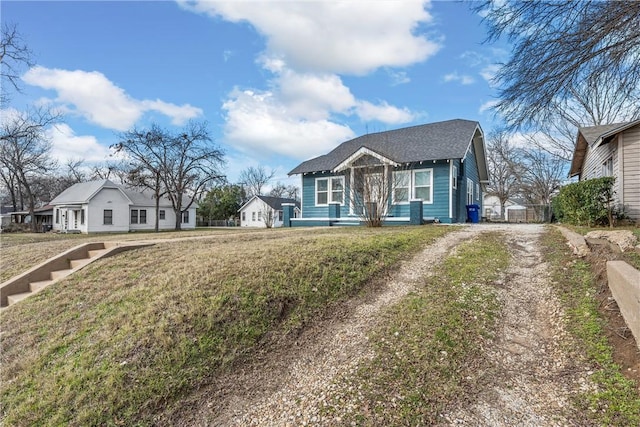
[(531, 381)]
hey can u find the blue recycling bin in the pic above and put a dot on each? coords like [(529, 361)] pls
[(473, 213)]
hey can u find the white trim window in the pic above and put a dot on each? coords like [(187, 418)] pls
[(454, 176), (401, 187), (423, 185), (329, 190), (469, 191), (185, 217), (607, 167)]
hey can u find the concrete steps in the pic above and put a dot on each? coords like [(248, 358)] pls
[(57, 268)]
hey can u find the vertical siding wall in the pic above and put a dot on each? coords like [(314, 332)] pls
[(631, 172)]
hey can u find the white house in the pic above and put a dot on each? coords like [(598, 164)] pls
[(265, 211), (105, 207), (493, 211)]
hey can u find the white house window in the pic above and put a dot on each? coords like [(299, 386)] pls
[(607, 167), (469, 192), (143, 216), (82, 217), (244, 216), (454, 176), (259, 215), (57, 216), (253, 216), (423, 184), (401, 186), (185, 217), (280, 216), (107, 217), (329, 190), (161, 214), (134, 216)]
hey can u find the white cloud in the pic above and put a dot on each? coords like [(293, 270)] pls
[(462, 78), (489, 73), (258, 121), (337, 37), (398, 77), (66, 145), (308, 46), (383, 112), (312, 96), (100, 101), (487, 106)]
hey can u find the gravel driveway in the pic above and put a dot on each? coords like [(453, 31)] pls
[(533, 376)]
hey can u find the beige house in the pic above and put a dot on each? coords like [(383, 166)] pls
[(611, 150)]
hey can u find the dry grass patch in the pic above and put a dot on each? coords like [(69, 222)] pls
[(129, 335), (21, 251)]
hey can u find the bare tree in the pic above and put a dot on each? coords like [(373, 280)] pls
[(14, 56), (505, 169), (254, 179), (559, 45), (292, 192), (278, 190), (180, 165), (25, 152), (374, 189), (543, 175)]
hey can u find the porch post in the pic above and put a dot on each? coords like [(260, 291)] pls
[(415, 212), (287, 214), (334, 211)]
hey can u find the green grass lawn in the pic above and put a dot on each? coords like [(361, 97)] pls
[(615, 400), (129, 335)]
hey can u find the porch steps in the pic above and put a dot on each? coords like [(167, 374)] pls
[(57, 268)]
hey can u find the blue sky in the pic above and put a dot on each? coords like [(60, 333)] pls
[(278, 82)]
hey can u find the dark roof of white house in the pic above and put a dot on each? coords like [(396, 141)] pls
[(273, 202), (435, 141)]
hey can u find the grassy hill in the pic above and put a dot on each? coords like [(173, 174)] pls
[(131, 334)]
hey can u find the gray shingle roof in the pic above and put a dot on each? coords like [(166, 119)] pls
[(435, 141), (592, 133), (276, 202), (83, 191)]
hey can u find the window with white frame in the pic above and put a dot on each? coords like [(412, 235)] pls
[(253, 216), (107, 217), (401, 186), (329, 190), (57, 216), (161, 214), (185, 217), (82, 217), (469, 192), (423, 184), (454, 176), (143, 216), (134, 216), (280, 216), (607, 167), (259, 215), (244, 216)]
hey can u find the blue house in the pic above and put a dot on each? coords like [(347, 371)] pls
[(411, 175)]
